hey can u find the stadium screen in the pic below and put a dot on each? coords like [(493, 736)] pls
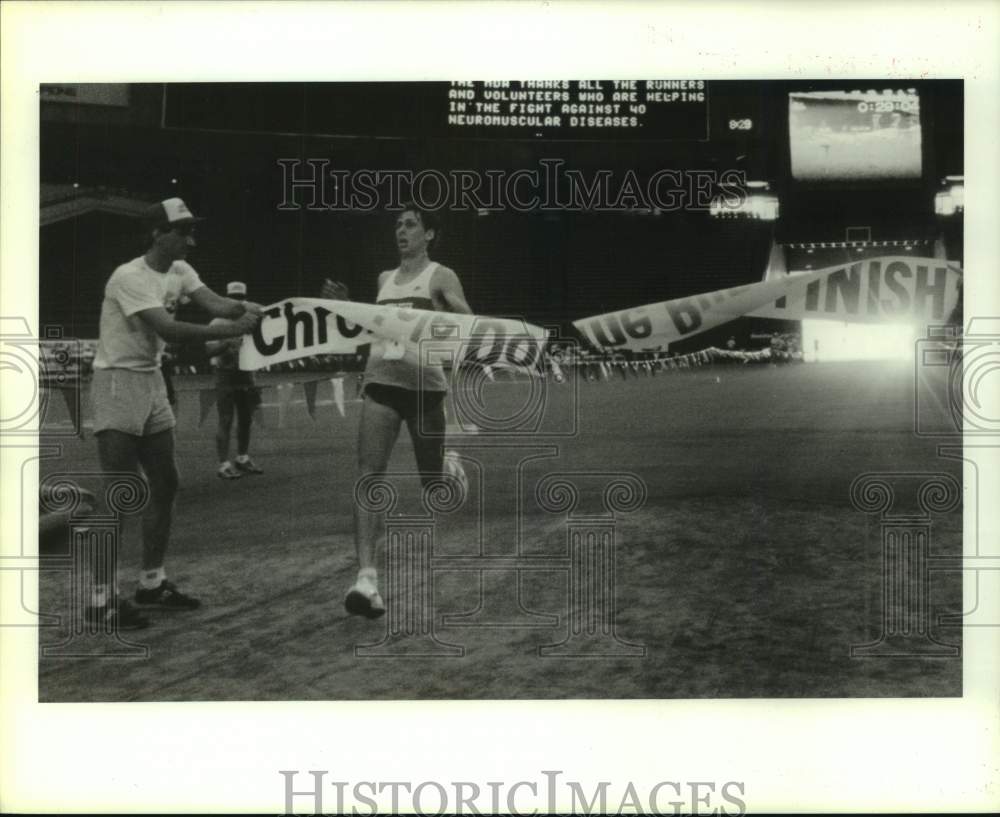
[(855, 135)]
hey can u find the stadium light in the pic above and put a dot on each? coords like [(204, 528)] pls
[(764, 207), (759, 204), (824, 340), (951, 199), (957, 190), (944, 204)]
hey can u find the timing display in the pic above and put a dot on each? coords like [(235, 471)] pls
[(579, 109), (909, 105), (856, 134)]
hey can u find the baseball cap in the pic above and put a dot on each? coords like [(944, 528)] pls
[(171, 212), (236, 288)]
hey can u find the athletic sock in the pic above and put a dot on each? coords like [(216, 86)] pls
[(242, 458), (151, 579), (100, 596), (368, 574)]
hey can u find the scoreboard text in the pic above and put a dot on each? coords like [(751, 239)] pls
[(579, 109)]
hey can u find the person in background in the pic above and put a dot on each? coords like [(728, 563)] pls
[(236, 395)]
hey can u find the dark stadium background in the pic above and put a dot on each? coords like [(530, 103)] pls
[(550, 268)]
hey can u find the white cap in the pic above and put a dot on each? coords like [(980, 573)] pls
[(236, 288), (172, 211)]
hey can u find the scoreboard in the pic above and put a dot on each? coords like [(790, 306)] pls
[(803, 132), (597, 110), (575, 109)]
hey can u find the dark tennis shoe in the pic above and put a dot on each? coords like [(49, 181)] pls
[(247, 466), (228, 471), (124, 617), (166, 597), (363, 599)]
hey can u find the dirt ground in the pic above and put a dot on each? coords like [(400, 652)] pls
[(746, 572)]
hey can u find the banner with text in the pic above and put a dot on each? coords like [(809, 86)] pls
[(898, 289), (301, 327)]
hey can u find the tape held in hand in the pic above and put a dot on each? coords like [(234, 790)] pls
[(335, 290)]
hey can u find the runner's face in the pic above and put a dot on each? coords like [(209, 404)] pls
[(411, 237)]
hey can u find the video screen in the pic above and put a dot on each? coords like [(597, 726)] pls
[(855, 135)]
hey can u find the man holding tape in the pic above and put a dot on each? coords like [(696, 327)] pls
[(399, 387), (133, 421)]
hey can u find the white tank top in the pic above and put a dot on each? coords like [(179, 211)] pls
[(391, 363)]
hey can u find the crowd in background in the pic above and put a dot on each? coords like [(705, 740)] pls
[(63, 362)]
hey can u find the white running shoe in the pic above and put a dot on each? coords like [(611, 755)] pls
[(363, 599), (453, 468)]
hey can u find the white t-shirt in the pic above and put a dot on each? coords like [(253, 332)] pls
[(127, 341)]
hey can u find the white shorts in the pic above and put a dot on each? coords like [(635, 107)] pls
[(132, 402)]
